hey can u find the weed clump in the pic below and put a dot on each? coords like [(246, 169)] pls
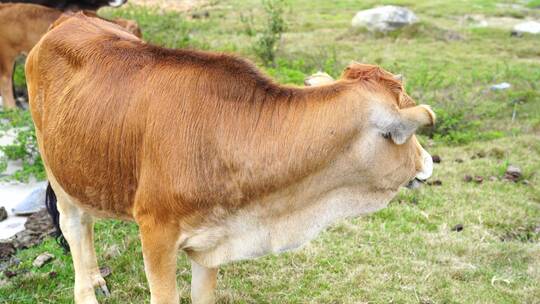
[(455, 127), (267, 42)]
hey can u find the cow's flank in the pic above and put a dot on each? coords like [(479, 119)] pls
[(207, 154)]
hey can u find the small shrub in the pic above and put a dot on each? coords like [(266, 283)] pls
[(455, 127), (267, 42), (324, 59), (451, 127), (247, 21)]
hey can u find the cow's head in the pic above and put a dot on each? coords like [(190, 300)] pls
[(392, 155)]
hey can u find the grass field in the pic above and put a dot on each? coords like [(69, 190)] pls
[(408, 252)]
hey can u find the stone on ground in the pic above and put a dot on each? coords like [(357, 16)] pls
[(42, 259), (10, 195), (500, 86), (384, 18), (33, 203), (513, 173), (529, 27)]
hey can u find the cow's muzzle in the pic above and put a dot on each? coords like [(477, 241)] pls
[(425, 173)]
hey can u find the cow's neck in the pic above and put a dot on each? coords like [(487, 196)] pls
[(285, 140)]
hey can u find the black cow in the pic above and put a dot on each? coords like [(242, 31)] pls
[(66, 5)]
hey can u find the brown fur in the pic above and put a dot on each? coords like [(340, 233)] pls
[(375, 75), (21, 27), (164, 136)]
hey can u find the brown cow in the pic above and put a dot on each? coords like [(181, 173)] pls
[(21, 27), (205, 153)]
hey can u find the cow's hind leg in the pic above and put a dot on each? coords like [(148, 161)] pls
[(203, 283), (77, 227), (160, 246), (98, 282)]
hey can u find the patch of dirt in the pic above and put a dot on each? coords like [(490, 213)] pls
[(6, 250), (172, 5), (37, 227)]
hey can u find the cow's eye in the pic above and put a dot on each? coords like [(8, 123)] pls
[(386, 135)]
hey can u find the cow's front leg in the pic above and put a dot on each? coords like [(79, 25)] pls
[(159, 246), (203, 283)]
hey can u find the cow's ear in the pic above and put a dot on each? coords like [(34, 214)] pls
[(401, 126)]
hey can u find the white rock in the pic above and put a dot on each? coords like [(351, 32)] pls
[(384, 18), (500, 86), (531, 27), (33, 203)]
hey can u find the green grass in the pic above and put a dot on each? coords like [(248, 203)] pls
[(406, 253), (533, 3)]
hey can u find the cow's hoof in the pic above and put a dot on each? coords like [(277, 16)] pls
[(103, 291), (100, 286)]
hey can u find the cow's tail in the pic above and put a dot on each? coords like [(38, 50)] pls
[(50, 203)]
